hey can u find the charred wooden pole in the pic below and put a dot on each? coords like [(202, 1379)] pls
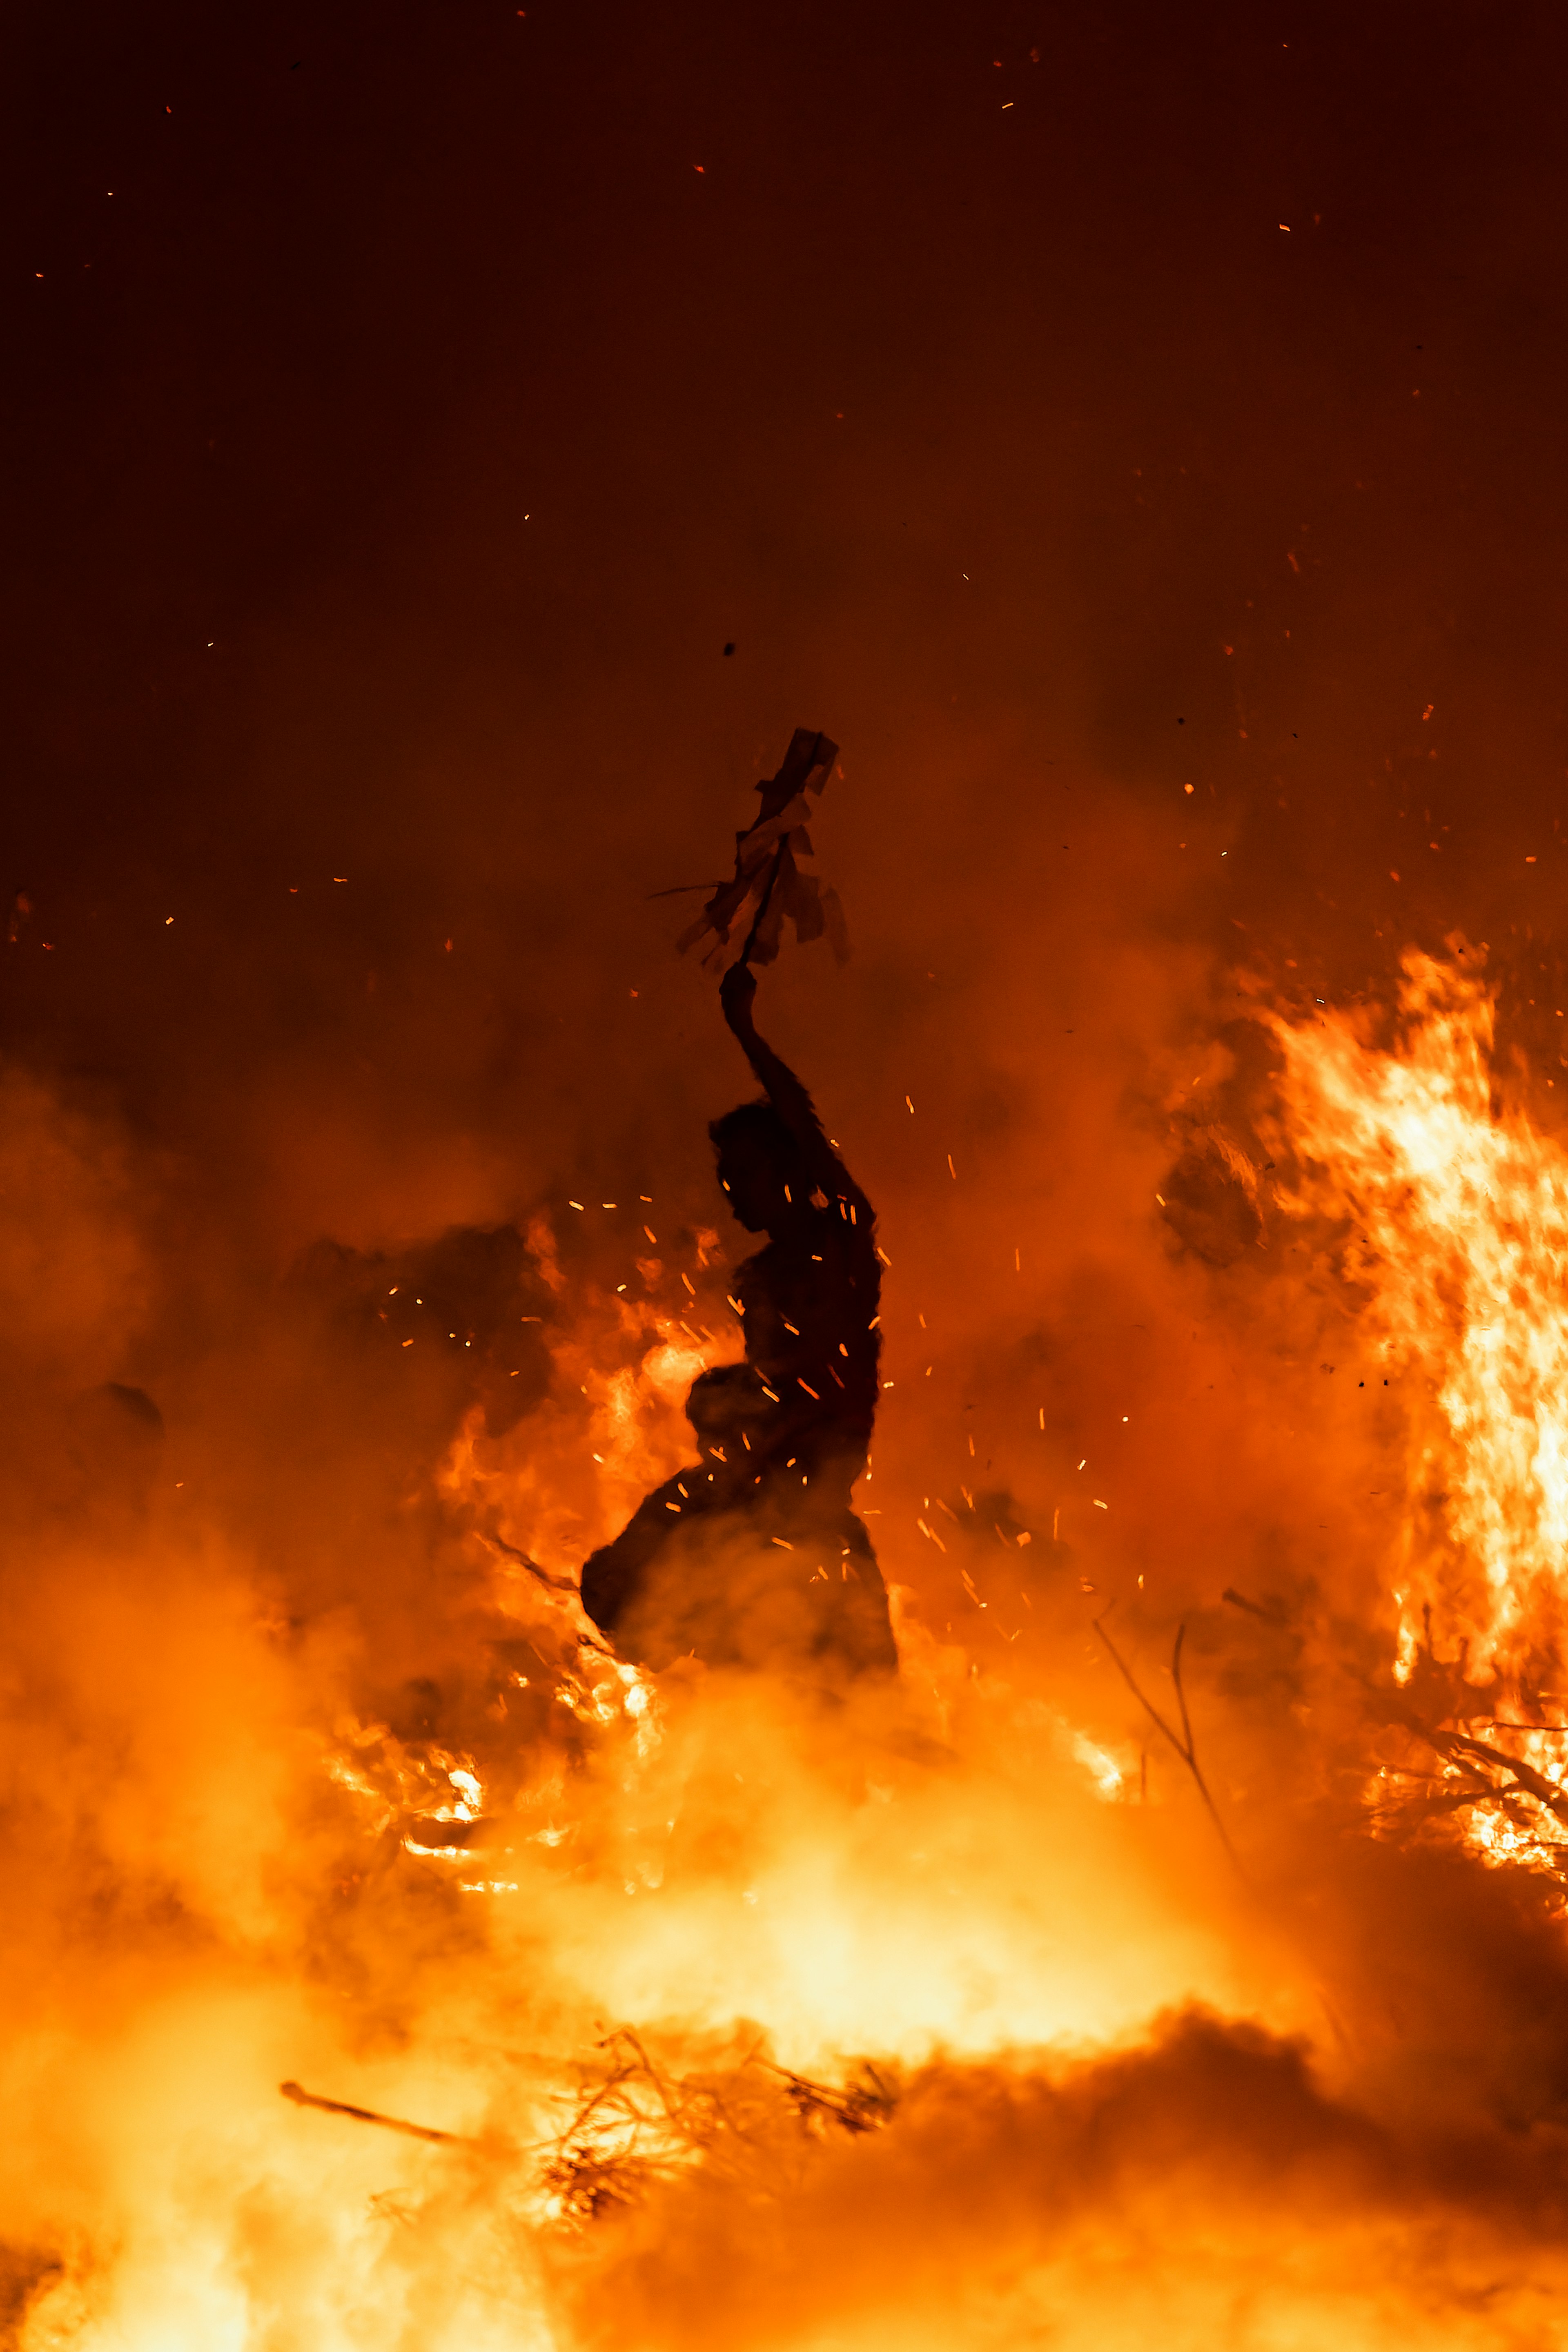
[(300, 2097)]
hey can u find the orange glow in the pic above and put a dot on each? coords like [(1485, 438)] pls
[(705, 2007)]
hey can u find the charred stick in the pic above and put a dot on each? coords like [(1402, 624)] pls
[(303, 2098), (1181, 1695)]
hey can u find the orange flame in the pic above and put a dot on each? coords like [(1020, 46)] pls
[(1457, 1210), (1460, 1215), (612, 1427)]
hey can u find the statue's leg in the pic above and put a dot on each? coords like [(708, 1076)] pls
[(856, 1626)]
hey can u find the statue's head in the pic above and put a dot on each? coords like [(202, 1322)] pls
[(759, 1168)]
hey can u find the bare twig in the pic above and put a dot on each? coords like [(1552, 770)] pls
[(1181, 1702), (1184, 1746)]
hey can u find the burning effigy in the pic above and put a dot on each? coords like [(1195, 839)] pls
[(780, 1453)]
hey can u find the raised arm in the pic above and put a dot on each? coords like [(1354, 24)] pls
[(737, 990)]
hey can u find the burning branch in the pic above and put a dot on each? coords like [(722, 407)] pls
[(1184, 1745), (1435, 1706), (768, 883), (634, 2125)]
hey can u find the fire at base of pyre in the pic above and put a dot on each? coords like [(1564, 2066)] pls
[(1445, 1211), (1049, 1996)]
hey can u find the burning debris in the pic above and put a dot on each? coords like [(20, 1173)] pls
[(756, 1555), (636, 2124)]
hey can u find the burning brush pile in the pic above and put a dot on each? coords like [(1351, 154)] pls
[(1446, 1215), (393, 1961)]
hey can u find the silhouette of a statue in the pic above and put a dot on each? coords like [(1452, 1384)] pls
[(757, 1558)]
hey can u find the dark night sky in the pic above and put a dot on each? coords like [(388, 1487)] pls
[(394, 450)]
